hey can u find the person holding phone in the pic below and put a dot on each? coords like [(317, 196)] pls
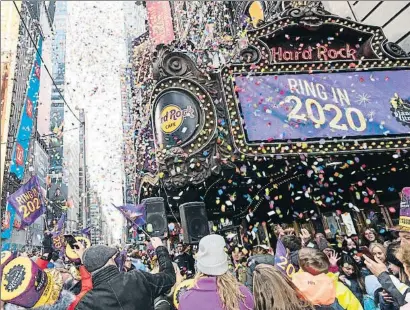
[(132, 290), (351, 276)]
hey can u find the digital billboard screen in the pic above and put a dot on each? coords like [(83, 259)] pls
[(324, 105)]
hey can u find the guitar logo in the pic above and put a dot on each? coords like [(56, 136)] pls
[(400, 109)]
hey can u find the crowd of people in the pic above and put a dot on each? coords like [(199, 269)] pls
[(346, 272)]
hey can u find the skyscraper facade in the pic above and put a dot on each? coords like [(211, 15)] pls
[(84, 211), (58, 191)]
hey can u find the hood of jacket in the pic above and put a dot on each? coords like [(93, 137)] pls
[(262, 259), (320, 290), (66, 298)]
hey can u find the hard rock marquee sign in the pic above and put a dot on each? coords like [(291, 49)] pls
[(308, 82), (322, 53)]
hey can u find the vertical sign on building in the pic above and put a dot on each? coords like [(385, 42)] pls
[(161, 29), (25, 129), (21, 146)]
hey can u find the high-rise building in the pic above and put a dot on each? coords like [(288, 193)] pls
[(47, 10), (58, 191), (84, 212), (134, 26), (10, 22), (18, 58), (96, 218)]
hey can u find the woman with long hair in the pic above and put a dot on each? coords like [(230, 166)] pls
[(274, 291), (378, 251), (215, 287), (370, 236), (351, 276), (394, 265)]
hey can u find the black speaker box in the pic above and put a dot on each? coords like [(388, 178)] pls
[(156, 216), (194, 221)]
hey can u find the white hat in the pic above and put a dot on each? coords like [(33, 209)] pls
[(263, 246), (211, 258)]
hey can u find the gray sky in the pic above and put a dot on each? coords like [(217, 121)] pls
[(95, 52)]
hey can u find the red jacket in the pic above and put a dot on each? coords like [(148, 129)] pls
[(86, 282)]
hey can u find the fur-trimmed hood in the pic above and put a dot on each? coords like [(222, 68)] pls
[(63, 303)]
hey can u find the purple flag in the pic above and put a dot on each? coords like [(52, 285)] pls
[(134, 213), (60, 225), (28, 202), (58, 234), (86, 232), (120, 259), (282, 261)]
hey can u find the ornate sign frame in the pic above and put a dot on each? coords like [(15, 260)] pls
[(382, 55)]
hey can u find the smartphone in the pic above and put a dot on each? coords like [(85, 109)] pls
[(71, 241), (365, 250)]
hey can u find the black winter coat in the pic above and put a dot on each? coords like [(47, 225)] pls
[(134, 290)]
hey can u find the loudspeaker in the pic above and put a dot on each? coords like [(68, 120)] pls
[(194, 221), (156, 216)]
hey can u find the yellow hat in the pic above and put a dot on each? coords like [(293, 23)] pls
[(69, 252), (181, 289), (25, 284)]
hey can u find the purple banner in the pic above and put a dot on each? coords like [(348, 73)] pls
[(282, 261), (134, 213), (28, 202), (324, 105), (120, 259), (86, 232)]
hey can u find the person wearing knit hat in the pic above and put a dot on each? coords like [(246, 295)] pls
[(24, 284), (215, 287), (113, 289), (97, 256)]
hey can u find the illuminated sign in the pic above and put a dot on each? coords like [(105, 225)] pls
[(320, 52), (176, 117), (338, 105), (172, 117)]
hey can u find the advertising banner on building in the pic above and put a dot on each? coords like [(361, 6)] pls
[(21, 146), (28, 113), (161, 29), (7, 222), (324, 105)]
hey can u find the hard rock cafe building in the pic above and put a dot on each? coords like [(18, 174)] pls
[(308, 124)]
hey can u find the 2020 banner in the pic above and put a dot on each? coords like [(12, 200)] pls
[(324, 105), (28, 201)]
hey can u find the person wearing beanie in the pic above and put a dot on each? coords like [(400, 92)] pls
[(215, 287), (133, 290), (26, 285)]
